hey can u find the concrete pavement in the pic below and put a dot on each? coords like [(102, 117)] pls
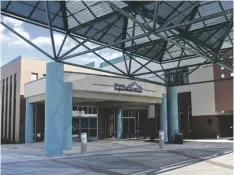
[(109, 157)]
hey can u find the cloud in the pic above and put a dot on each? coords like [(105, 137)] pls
[(44, 42), (9, 37)]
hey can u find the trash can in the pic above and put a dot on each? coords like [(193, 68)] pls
[(178, 138)]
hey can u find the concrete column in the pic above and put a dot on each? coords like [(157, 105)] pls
[(119, 123), (29, 122), (67, 134), (172, 111), (163, 117), (54, 109)]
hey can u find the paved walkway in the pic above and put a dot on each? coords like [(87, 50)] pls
[(110, 157)]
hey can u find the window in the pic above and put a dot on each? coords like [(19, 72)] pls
[(34, 76), (74, 108), (209, 121), (170, 79), (232, 74)]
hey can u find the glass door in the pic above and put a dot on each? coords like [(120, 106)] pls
[(130, 123), (84, 120)]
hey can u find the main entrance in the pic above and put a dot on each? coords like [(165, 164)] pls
[(84, 120), (130, 122)]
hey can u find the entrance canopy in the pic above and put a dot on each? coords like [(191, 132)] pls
[(158, 36)]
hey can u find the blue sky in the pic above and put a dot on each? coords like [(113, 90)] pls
[(12, 46)]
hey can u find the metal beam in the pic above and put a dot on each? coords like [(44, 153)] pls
[(180, 14), (148, 69), (130, 62), (86, 40), (225, 35), (80, 43), (108, 45), (192, 51), (61, 47), (28, 41), (170, 69), (156, 10), (50, 29)]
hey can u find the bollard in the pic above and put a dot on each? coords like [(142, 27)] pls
[(83, 143), (161, 139)]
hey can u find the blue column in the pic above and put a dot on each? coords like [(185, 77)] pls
[(54, 109), (67, 134), (29, 122), (172, 111), (119, 123), (163, 117)]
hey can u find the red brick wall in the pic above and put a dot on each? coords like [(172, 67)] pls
[(201, 128), (223, 90)]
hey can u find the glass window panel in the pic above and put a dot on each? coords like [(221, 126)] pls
[(94, 110), (75, 126), (74, 108), (85, 110), (92, 122), (84, 123), (79, 108), (89, 110), (93, 133)]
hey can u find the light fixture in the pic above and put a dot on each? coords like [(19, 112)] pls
[(231, 56), (222, 75), (222, 68), (232, 74), (222, 112)]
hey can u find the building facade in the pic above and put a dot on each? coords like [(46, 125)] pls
[(205, 109)]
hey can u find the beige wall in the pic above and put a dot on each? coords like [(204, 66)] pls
[(100, 86), (203, 98), (24, 67), (8, 70)]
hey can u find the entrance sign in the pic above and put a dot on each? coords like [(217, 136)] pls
[(133, 87)]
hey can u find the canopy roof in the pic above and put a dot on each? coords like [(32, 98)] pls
[(156, 31)]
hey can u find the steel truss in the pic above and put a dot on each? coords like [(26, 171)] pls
[(152, 25)]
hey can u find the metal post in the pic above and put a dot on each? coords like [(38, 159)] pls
[(83, 143), (161, 139)]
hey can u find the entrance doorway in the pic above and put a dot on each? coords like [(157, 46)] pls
[(84, 120), (130, 122), (109, 125)]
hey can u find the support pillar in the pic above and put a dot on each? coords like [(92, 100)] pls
[(67, 134), (119, 123), (29, 122), (54, 109), (163, 117), (172, 112)]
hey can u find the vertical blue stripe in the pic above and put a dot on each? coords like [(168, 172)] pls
[(54, 109), (119, 123), (163, 117), (172, 112), (67, 135), (29, 122)]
